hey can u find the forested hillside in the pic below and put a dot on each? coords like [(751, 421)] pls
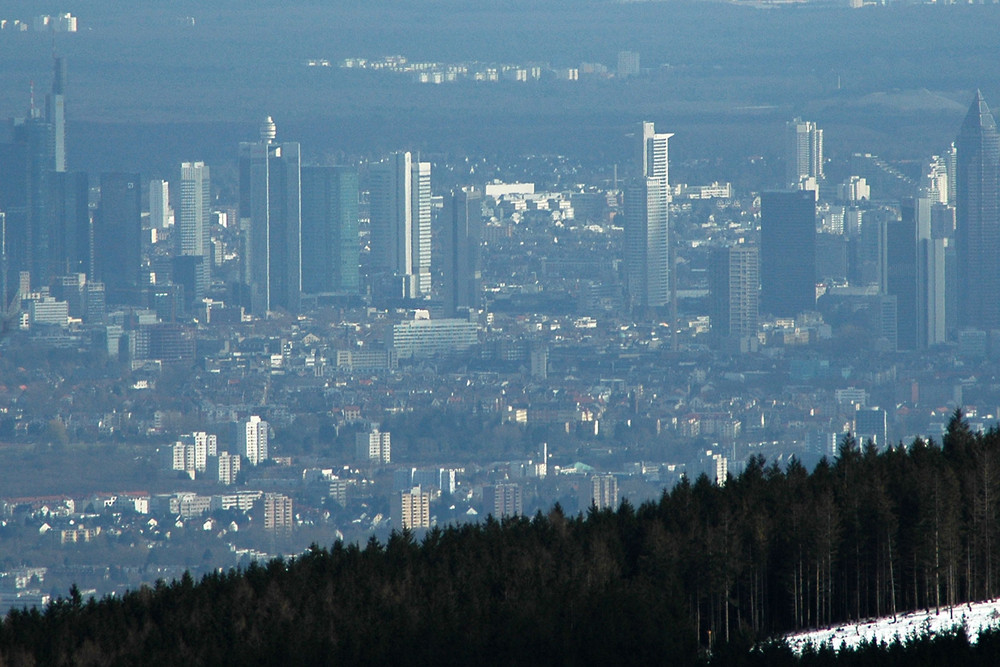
[(774, 550)]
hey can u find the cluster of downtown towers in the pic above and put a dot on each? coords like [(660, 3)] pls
[(299, 232), (298, 224), (935, 283)]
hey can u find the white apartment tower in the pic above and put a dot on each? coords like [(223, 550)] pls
[(373, 446), (647, 223), (255, 440), (412, 509), (401, 224)]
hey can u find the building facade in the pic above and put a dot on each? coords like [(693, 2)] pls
[(330, 247), (787, 252), (412, 509), (461, 248)]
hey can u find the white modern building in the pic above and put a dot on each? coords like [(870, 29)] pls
[(647, 223), (427, 338)]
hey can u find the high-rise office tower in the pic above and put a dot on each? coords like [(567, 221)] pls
[(193, 223), (159, 204), (734, 277), (67, 213), (37, 148), (55, 113), (803, 152), (401, 225), (192, 265), (36, 136), (977, 218), (647, 233), (461, 241), (118, 237), (787, 252), (330, 246), (271, 218), (915, 274)]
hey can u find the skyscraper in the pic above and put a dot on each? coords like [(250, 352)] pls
[(401, 226), (330, 246), (193, 223), (118, 237), (462, 238), (55, 113), (803, 152), (734, 282), (787, 252), (647, 234), (915, 265), (38, 147), (159, 204), (977, 218), (271, 219), (68, 223)]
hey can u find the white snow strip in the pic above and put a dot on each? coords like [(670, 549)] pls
[(975, 617)]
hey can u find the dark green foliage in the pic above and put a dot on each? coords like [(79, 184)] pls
[(697, 578)]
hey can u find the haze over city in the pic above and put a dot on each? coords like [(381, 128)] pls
[(324, 273)]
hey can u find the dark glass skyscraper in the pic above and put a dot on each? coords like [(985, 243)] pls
[(68, 225), (460, 244), (977, 218), (271, 219), (330, 251), (787, 252), (118, 237)]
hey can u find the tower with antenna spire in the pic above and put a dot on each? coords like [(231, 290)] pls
[(977, 218), (270, 212)]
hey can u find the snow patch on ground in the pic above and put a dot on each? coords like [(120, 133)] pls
[(975, 617)]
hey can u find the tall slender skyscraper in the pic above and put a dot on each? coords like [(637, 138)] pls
[(118, 237), (977, 218), (330, 246), (647, 223), (803, 151), (55, 113), (462, 238), (271, 219), (787, 252), (401, 225)]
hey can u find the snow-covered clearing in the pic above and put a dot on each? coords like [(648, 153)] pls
[(975, 616)]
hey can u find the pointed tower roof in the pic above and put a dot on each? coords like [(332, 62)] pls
[(979, 119)]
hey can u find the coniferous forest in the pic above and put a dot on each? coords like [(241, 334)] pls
[(697, 578)]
